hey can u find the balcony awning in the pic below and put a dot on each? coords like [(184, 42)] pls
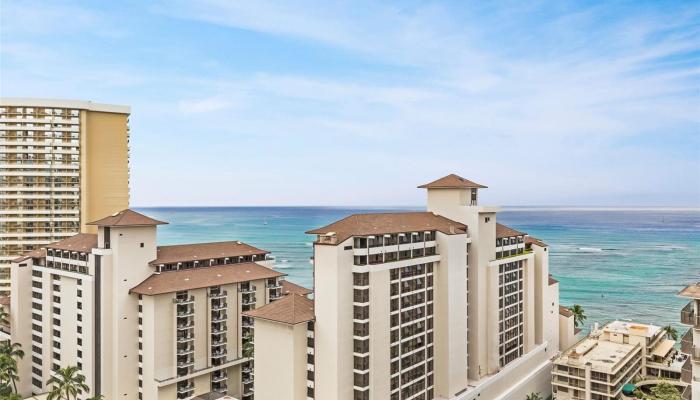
[(662, 349)]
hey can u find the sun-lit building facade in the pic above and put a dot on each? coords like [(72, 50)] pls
[(142, 321), (441, 304), (63, 163)]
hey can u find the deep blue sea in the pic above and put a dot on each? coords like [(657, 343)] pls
[(618, 264)]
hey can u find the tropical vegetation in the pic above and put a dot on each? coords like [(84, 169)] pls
[(67, 384), (579, 315)]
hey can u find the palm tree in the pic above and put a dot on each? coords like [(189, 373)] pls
[(671, 332), (67, 383), (534, 396), (9, 354), (248, 349), (579, 315), (8, 374)]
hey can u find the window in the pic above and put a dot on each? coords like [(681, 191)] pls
[(487, 219)]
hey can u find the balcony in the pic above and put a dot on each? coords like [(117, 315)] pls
[(218, 354), (218, 295), (185, 389), (218, 317), (248, 300), (247, 289), (218, 330), (687, 342), (185, 313), (185, 350), (185, 338), (186, 325), (183, 300), (217, 306), (185, 363), (695, 354), (218, 377), (689, 317)]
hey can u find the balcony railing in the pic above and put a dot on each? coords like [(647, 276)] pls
[(185, 389), (218, 295), (695, 354), (689, 317), (687, 342), (184, 300)]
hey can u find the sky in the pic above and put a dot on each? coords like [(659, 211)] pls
[(356, 103)]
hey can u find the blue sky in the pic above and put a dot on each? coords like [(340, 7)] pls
[(356, 103)]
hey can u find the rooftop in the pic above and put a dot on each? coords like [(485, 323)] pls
[(691, 291), (602, 355), (60, 103), (535, 241), (204, 251), (293, 309), (632, 328), (452, 181), (197, 278), (127, 217), (82, 242), (552, 281), (505, 231), (389, 223), (292, 288), (38, 253)]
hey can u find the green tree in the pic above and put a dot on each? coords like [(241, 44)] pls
[(248, 349), (67, 383), (664, 391), (534, 396), (579, 315), (671, 332), (9, 354)]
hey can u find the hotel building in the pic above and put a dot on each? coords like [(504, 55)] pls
[(63, 163), (141, 321), (442, 304), (690, 343), (597, 367)]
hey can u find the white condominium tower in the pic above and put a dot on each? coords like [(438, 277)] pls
[(63, 163), (442, 304), (141, 322), (690, 343)]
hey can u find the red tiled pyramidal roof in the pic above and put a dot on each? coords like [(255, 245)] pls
[(452, 181), (292, 309), (127, 217)]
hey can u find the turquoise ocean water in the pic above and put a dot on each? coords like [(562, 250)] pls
[(622, 264)]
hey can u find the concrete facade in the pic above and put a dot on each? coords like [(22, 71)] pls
[(136, 327), (407, 307), (63, 163)]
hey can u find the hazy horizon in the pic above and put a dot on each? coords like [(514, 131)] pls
[(279, 103)]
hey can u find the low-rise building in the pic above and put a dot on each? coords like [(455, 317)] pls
[(598, 366)]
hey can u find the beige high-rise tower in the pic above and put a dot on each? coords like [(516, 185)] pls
[(63, 163)]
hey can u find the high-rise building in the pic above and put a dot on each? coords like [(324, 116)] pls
[(442, 304), (690, 343), (63, 163), (141, 321), (599, 366)]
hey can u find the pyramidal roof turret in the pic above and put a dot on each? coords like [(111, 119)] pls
[(127, 217), (452, 181)]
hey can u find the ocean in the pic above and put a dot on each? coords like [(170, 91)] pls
[(617, 264)]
